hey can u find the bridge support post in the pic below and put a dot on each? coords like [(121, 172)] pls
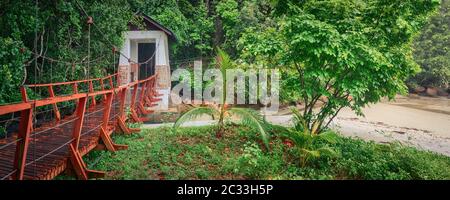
[(102, 86), (121, 125), (105, 131), (133, 107), (142, 96), (125, 129), (122, 99), (80, 111), (78, 164), (152, 97), (80, 167), (109, 144), (55, 106), (91, 89), (26, 122)]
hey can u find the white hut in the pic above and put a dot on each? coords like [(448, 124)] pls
[(149, 47)]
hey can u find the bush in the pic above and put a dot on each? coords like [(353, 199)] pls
[(367, 160), (254, 163)]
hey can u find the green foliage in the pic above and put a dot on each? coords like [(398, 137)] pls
[(12, 70), (191, 153), (189, 20), (228, 12), (254, 163), (235, 17), (252, 118), (432, 50), (200, 26), (343, 53), (194, 113), (308, 144), (60, 31), (363, 160), (244, 116), (222, 111)]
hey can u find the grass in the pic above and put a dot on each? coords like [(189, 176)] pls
[(194, 153)]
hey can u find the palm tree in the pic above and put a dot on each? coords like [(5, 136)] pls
[(221, 111)]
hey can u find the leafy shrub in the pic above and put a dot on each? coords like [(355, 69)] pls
[(191, 153), (367, 160), (254, 163), (308, 144)]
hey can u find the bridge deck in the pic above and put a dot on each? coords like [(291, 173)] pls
[(46, 157), (50, 148)]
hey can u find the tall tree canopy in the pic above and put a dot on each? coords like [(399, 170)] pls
[(432, 50), (60, 31), (344, 53), (57, 29), (340, 41)]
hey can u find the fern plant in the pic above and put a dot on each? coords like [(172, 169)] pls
[(244, 116), (309, 144)]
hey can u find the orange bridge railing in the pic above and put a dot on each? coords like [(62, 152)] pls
[(43, 151)]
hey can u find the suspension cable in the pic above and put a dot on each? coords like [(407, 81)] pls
[(65, 62)]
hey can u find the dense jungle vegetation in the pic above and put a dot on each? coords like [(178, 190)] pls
[(331, 54), (249, 30)]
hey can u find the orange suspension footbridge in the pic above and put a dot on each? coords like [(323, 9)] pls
[(58, 145), (38, 148)]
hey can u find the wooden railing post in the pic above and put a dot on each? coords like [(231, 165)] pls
[(111, 84), (80, 111), (55, 106), (107, 110), (121, 118), (105, 131), (75, 88), (79, 166), (151, 96), (26, 122), (134, 96), (91, 89), (134, 115), (102, 86), (149, 88), (143, 92), (23, 91), (123, 95)]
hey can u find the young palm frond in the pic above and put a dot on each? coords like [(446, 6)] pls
[(251, 118), (308, 154), (327, 151), (312, 146), (195, 113), (328, 137), (299, 121), (223, 60), (222, 110)]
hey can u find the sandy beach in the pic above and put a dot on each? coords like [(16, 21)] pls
[(421, 122)]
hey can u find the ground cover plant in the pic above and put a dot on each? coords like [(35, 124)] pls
[(194, 153)]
